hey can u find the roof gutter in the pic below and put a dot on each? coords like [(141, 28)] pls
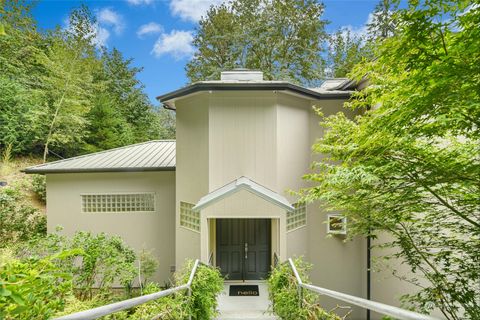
[(281, 86), (96, 170)]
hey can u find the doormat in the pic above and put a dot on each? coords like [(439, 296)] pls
[(244, 291)]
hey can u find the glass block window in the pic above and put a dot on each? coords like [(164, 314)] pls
[(297, 218), (188, 218), (119, 202)]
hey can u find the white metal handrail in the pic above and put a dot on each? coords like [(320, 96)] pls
[(127, 304), (385, 309)]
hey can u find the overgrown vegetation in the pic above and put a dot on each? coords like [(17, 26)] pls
[(101, 262), (19, 220), (56, 275), (39, 187), (148, 264), (409, 167), (47, 272), (207, 284), (286, 304), (33, 288), (64, 95)]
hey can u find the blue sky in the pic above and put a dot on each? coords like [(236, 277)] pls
[(157, 33)]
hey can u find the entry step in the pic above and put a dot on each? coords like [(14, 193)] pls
[(235, 315), (245, 307)]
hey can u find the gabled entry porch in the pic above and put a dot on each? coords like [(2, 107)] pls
[(243, 225)]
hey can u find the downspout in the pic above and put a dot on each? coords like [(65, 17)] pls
[(369, 258)]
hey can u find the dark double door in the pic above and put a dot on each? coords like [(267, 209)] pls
[(243, 248)]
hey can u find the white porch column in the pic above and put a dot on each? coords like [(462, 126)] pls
[(204, 238), (283, 238)]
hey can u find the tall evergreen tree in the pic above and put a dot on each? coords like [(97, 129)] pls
[(383, 22), (60, 93), (345, 50), (126, 91), (20, 45)]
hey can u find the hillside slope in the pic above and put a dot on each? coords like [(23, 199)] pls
[(11, 176)]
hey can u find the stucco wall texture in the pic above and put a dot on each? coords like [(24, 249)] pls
[(150, 230)]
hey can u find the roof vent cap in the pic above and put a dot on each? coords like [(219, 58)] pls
[(241, 75)]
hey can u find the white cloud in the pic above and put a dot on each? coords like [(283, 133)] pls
[(149, 28), (139, 2), (191, 10), (101, 36), (360, 31), (177, 43), (108, 17)]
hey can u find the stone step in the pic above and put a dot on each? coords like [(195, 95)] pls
[(243, 307), (244, 314)]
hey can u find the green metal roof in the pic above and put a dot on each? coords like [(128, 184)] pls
[(156, 155)]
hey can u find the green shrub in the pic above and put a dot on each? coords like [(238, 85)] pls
[(33, 288), (105, 260), (39, 187), (148, 266), (19, 221), (201, 305), (73, 305), (206, 285), (283, 289), (172, 307)]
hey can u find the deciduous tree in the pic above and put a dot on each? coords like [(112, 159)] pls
[(409, 167), (68, 82), (284, 39)]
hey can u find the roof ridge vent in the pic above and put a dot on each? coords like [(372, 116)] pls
[(241, 75)]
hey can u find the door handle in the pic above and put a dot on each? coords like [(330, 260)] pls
[(246, 250)]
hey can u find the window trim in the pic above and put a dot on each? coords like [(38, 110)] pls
[(344, 224)]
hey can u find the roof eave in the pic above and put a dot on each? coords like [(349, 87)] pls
[(166, 99), (96, 170)]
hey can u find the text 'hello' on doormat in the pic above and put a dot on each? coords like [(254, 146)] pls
[(244, 290)]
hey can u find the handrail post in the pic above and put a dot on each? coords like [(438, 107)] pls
[(189, 284), (189, 293), (299, 281), (300, 295)]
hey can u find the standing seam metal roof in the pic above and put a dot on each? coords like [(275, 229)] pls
[(156, 155)]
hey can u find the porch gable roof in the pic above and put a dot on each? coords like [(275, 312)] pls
[(243, 183)]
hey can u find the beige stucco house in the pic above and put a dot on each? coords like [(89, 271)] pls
[(220, 192)]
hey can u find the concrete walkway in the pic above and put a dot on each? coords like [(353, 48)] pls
[(231, 308)]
